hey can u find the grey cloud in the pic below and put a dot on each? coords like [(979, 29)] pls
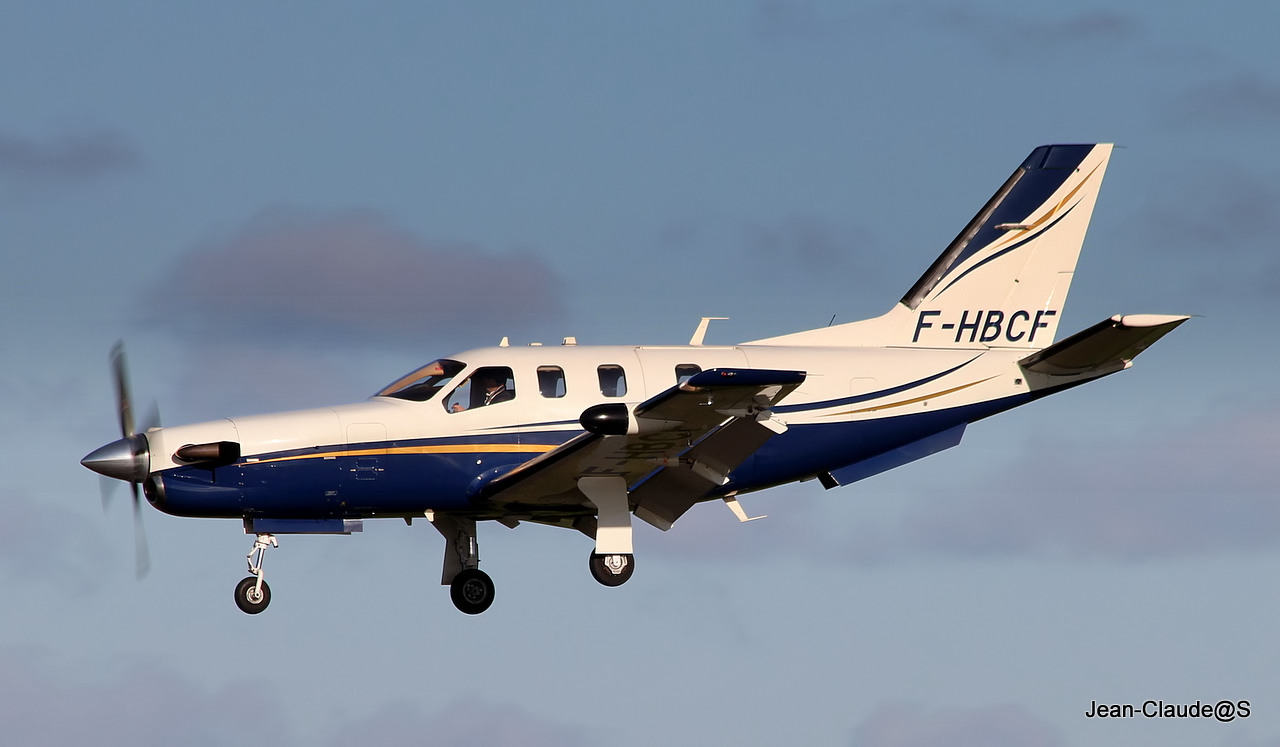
[(140, 703), (1206, 489), (796, 245), (463, 723), (806, 243), (798, 20), (353, 277), (1005, 33), (69, 158), (902, 725), (1218, 208), (1000, 32), (1245, 99), (51, 545)]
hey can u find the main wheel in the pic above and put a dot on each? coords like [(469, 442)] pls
[(472, 591), (248, 599), (612, 570)]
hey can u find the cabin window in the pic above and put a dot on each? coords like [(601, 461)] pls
[(613, 380), (686, 371), (490, 385), (424, 383), (551, 381)]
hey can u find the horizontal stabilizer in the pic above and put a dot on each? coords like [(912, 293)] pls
[(1105, 347)]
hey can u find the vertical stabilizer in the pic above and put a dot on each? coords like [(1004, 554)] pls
[(1002, 282)]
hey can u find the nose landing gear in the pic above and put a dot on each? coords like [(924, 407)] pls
[(252, 594)]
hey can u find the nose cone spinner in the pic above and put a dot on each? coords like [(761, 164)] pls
[(126, 459)]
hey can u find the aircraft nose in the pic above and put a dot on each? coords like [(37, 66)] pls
[(126, 459)]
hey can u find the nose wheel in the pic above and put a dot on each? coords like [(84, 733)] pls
[(252, 594)]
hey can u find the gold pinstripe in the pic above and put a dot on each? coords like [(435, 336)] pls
[(441, 449), (1019, 235), (913, 400)]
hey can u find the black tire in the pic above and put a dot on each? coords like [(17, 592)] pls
[(609, 576), (472, 591), (246, 596)]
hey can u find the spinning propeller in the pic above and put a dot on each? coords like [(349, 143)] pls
[(128, 458)]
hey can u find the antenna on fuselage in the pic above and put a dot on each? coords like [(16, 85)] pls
[(701, 332)]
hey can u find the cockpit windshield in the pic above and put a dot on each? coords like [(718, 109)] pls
[(422, 384)]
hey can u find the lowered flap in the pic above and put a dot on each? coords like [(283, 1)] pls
[(1105, 347)]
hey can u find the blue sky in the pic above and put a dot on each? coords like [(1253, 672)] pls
[(288, 205)]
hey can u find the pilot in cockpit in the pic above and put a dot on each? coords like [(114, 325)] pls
[(491, 388)]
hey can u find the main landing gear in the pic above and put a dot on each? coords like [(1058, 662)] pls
[(612, 570), (471, 591), (252, 594), (612, 563), (470, 588)]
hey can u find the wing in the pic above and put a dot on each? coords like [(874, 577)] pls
[(672, 450)]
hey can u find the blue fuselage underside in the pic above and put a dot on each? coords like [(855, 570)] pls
[(331, 482)]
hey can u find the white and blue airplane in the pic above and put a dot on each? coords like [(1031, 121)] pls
[(586, 437)]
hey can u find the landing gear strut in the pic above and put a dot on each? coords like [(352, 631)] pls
[(470, 588), (612, 563), (252, 594)]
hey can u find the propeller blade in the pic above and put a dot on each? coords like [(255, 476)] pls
[(142, 555), (107, 488), (120, 377), (151, 419), (127, 458)]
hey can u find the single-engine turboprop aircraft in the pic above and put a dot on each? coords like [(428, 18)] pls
[(585, 437)]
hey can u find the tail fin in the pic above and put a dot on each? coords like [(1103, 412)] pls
[(1003, 281)]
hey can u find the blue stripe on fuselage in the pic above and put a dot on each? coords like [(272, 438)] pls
[(870, 395), (392, 485)]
